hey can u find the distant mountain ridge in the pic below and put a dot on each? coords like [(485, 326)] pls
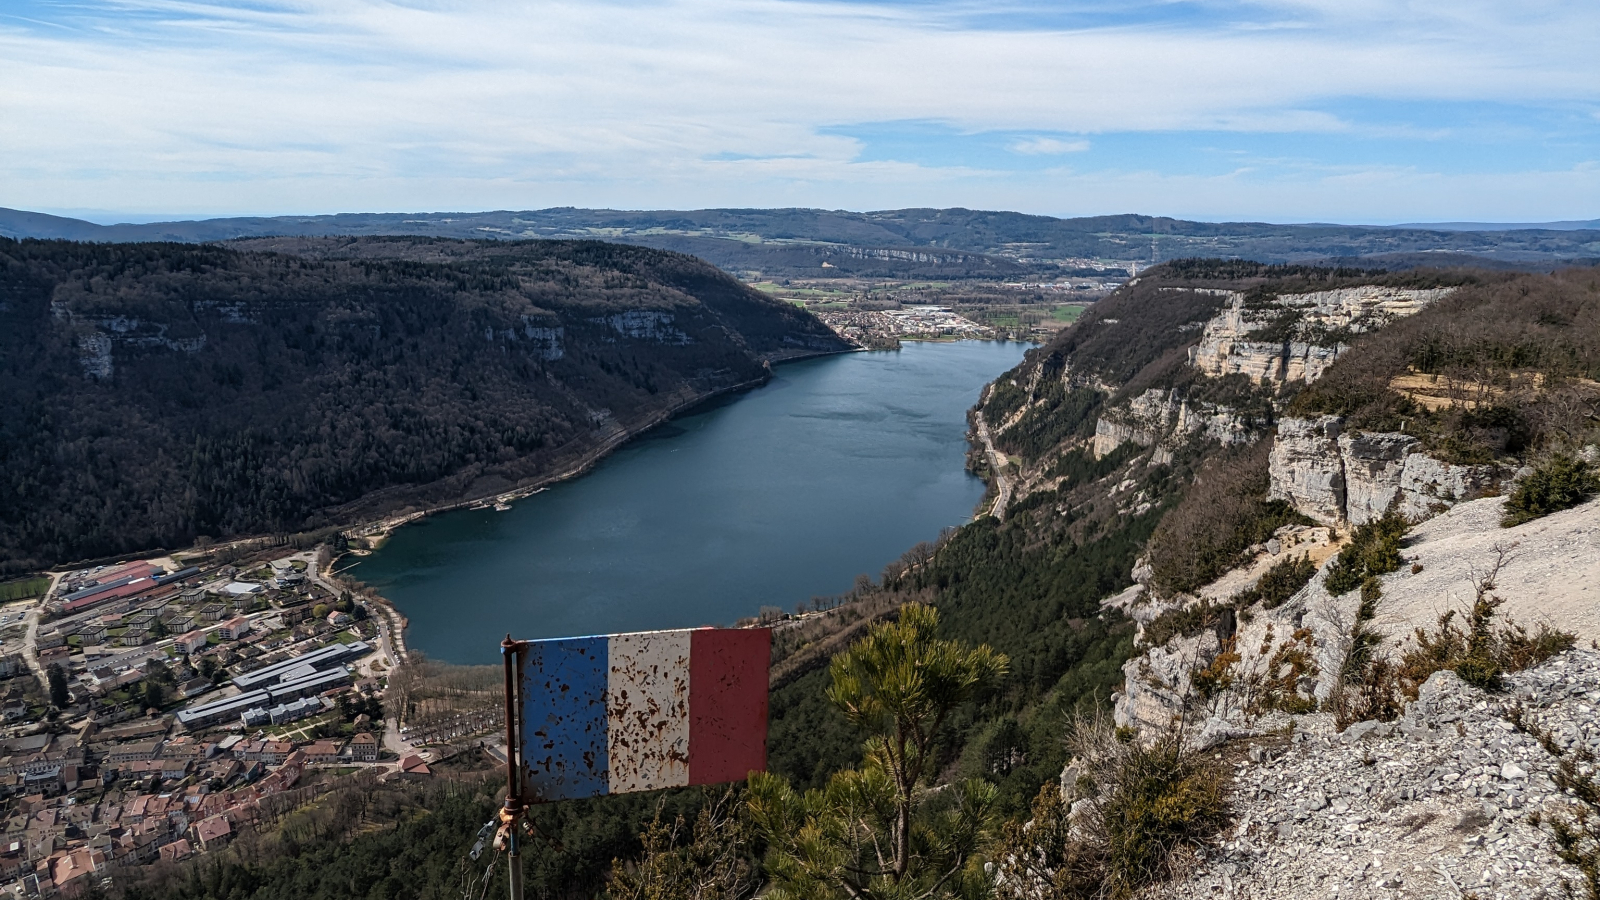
[(906, 243), (1574, 225)]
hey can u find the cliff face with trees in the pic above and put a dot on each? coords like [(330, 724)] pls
[(158, 393)]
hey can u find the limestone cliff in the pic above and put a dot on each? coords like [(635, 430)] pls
[(1161, 418), (1336, 477), (1295, 337)]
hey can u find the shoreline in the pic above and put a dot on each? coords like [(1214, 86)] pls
[(380, 528), (378, 531)]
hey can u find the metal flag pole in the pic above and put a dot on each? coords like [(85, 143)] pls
[(511, 653)]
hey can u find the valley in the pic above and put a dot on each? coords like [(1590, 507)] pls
[(1227, 506)]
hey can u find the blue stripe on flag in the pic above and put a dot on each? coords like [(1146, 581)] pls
[(564, 718)]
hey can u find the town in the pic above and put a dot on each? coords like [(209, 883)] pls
[(874, 328), (154, 708)]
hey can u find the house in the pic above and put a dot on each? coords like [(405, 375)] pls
[(194, 687), (412, 764), (337, 618), (364, 748), (56, 656), (322, 752), (211, 612), (233, 629), (135, 636), (213, 832), (12, 665), (270, 752), (223, 770), (72, 873), (192, 642), (93, 633), (176, 851), (75, 777), (127, 753), (48, 639)]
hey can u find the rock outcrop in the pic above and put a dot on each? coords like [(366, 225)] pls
[(1336, 477), (1159, 418), (1451, 800), (1550, 575), (1306, 326), (1163, 419), (1458, 796)]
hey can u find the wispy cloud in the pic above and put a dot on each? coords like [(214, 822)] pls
[(1041, 146), (318, 105)]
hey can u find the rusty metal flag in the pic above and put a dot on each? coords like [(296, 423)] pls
[(643, 711)]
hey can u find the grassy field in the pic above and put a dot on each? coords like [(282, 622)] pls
[(24, 589), (1068, 313)]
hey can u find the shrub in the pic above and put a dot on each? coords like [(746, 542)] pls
[(1147, 805), (1278, 686), (1217, 676), (1281, 582), (1481, 653), (1221, 517), (1575, 826), (1367, 686), (1187, 621), (708, 859), (1562, 482), (1156, 801), (1374, 550)]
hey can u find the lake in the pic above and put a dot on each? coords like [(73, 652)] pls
[(768, 498)]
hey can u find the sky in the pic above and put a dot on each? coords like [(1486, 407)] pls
[(1357, 111)]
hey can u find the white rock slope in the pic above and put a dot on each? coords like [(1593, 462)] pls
[(1435, 806)]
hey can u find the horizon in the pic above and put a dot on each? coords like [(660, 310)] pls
[(1280, 111), (112, 218)]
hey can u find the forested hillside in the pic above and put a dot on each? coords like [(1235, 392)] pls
[(160, 393), (1128, 457)]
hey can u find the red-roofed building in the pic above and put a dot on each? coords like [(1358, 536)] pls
[(234, 628), (179, 849), (413, 765), (214, 832), (74, 872), (322, 752)]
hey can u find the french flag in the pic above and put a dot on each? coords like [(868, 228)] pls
[(643, 711)]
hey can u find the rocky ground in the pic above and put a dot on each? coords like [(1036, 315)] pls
[(1451, 801), (1551, 572)]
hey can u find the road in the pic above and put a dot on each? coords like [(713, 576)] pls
[(391, 648), (391, 634), (997, 465)]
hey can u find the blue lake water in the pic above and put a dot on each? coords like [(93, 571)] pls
[(834, 468)]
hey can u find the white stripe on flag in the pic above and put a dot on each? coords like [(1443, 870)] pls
[(647, 710)]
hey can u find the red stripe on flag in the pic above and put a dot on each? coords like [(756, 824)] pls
[(728, 703)]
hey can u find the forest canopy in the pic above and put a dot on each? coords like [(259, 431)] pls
[(158, 393)]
